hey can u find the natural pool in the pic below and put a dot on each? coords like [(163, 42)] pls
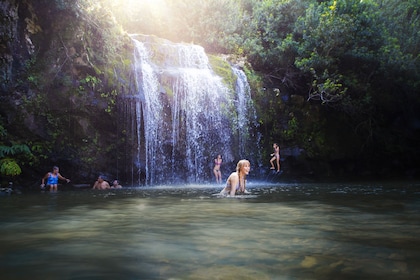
[(281, 231)]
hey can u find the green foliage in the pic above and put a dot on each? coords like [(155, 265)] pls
[(13, 154), (13, 150), (9, 167), (93, 84), (255, 79), (327, 88), (359, 59), (223, 69), (89, 83), (40, 149), (292, 129), (343, 39), (268, 27), (3, 132), (9, 157), (110, 98)]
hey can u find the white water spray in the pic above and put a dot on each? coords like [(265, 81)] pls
[(185, 114)]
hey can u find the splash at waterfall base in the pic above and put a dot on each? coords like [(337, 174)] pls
[(181, 114)]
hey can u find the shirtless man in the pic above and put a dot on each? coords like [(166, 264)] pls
[(101, 184)]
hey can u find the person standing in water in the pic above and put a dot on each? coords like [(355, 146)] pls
[(275, 157), (235, 184), (52, 179), (216, 169)]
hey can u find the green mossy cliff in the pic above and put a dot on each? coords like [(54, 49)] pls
[(62, 71)]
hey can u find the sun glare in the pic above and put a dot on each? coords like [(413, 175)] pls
[(156, 7), (155, 17)]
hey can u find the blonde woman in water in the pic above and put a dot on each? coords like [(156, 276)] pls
[(235, 183)]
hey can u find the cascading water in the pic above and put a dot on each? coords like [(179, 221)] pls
[(247, 117), (185, 114)]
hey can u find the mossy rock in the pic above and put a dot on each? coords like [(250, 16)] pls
[(223, 69)]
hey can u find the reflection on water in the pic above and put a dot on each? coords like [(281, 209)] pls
[(302, 231)]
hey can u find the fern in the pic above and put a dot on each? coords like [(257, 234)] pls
[(5, 150), (9, 167), (14, 150)]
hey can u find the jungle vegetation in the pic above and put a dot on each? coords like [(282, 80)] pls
[(337, 80), (340, 79)]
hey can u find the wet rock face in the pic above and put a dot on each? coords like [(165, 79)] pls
[(43, 60), (19, 25), (8, 30)]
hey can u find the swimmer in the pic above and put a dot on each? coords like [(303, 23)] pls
[(235, 184), (101, 184), (116, 185)]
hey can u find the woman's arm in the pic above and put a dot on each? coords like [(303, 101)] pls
[(62, 178), (43, 179)]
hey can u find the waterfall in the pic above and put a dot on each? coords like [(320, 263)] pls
[(185, 114), (247, 117)]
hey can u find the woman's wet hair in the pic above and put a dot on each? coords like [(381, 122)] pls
[(242, 163)]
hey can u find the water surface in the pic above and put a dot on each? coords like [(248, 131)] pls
[(281, 231)]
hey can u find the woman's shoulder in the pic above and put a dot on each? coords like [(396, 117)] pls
[(233, 175)]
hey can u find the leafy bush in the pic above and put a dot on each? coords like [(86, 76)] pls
[(9, 167)]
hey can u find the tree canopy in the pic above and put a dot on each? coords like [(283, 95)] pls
[(357, 59)]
